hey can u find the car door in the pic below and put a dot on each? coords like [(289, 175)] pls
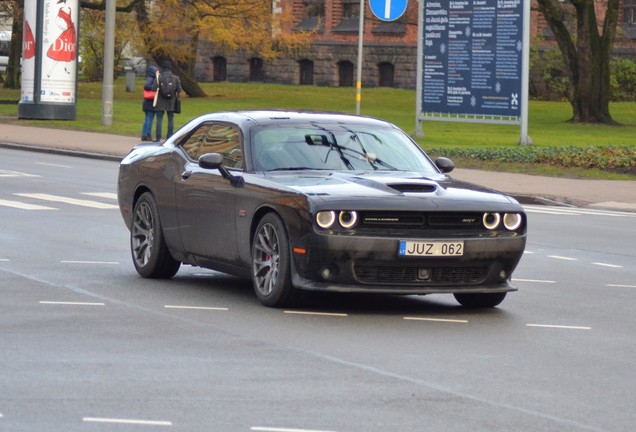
[(206, 202)]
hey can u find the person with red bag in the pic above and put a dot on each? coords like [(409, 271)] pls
[(148, 103)]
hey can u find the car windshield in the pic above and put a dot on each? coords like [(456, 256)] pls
[(336, 147)]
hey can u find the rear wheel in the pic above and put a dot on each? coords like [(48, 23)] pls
[(480, 300), (271, 266), (150, 254)]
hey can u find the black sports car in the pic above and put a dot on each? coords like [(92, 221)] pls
[(316, 201)]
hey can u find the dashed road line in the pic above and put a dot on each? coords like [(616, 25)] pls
[(108, 195), (607, 265), (442, 320), (330, 314), (562, 258), (534, 281), (127, 421), (67, 303), (53, 165), (620, 286), (197, 308), (7, 173), (89, 262), (559, 326), (278, 429), (67, 200), (23, 206)]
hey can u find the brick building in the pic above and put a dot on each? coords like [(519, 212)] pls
[(390, 48)]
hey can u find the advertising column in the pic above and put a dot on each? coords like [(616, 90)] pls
[(49, 67)]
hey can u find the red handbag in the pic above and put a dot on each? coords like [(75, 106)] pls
[(149, 94)]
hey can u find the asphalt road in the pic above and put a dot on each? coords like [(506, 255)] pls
[(87, 345)]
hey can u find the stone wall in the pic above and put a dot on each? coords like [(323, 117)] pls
[(325, 57)]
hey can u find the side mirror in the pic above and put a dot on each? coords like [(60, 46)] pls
[(444, 164), (215, 161)]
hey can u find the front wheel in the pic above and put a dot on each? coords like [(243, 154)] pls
[(150, 254), (480, 300), (271, 266)]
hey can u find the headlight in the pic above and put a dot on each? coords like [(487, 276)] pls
[(325, 219), (491, 220), (512, 221), (348, 219)]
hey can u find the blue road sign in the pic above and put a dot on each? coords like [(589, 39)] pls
[(388, 10)]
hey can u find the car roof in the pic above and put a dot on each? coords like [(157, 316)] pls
[(266, 117)]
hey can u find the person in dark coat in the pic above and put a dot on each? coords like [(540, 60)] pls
[(166, 104), (147, 105)]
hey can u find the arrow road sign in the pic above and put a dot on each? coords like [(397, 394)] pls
[(388, 10)]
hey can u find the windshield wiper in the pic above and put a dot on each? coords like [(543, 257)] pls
[(371, 158), (333, 144), (293, 169)]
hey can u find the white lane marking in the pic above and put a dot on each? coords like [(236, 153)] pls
[(577, 211), (620, 286), (562, 258), (534, 281), (4, 260), (528, 252), (316, 313), (89, 262), (108, 195), (44, 302), (277, 429), (197, 308), (53, 165), (66, 200), (607, 265), (559, 326), (551, 212), (128, 421), (7, 173), (23, 206), (436, 320)]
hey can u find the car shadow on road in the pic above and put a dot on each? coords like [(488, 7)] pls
[(226, 288)]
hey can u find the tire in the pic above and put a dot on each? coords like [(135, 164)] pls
[(150, 254), (271, 264), (480, 300)]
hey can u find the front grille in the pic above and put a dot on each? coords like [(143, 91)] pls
[(408, 275), (416, 220)]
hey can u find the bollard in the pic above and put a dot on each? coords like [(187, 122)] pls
[(130, 78)]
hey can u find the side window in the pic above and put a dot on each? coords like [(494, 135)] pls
[(216, 138)]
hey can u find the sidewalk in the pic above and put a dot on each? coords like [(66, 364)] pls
[(605, 194)]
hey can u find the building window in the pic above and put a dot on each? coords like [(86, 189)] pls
[(386, 72), (256, 69), (313, 16), (629, 12), (306, 72), (220, 69), (345, 74), (350, 21), (350, 9)]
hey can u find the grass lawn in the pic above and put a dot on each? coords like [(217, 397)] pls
[(548, 121)]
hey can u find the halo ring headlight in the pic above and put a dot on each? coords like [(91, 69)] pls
[(512, 221), (491, 220), (348, 219), (325, 219)]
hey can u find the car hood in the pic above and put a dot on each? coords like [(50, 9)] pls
[(401, 190)]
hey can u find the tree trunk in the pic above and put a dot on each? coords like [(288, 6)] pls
[(12, 79), (586, 55), (153, 45)]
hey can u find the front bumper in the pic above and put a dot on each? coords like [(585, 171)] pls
[(370, 264)]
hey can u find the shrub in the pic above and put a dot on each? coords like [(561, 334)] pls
[(610, 157)]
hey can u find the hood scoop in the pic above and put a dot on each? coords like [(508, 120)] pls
[(413, 187)]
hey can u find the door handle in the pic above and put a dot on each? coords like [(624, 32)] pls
[(186, 174)]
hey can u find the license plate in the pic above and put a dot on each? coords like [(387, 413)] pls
[(433, 249)]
